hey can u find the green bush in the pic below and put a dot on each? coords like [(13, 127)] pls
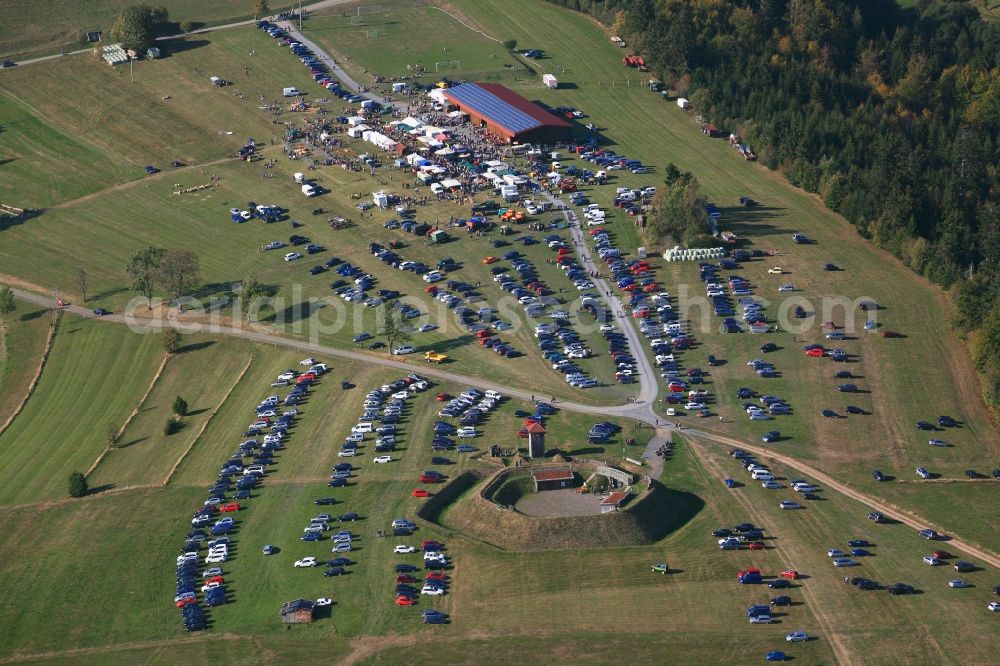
[(77, 484)]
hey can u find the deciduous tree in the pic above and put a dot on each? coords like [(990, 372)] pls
[(177, 272), (141, 271)]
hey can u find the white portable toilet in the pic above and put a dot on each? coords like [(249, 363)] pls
[(641, 252), (299, 178)]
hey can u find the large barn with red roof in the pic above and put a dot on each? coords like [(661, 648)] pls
[(506, 114)]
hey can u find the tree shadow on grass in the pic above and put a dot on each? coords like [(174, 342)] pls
[(100, 489), (195, 346), (125, 445), (35, 314), (108, 293)]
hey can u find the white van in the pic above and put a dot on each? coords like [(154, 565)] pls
[(493, 395), (309, 190), (362, 428), (437, 188), (291, 92), (762, 475)]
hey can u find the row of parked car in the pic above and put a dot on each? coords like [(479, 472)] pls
[(635, 279), (239, 475), (317, 70)]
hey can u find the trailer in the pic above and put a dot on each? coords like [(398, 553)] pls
[(550, 81)]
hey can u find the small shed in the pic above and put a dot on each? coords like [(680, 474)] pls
[(613, 501), (550, 81), (552, 479), (683, 103), (298, 611)]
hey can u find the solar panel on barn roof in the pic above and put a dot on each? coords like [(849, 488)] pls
[(491, 106)]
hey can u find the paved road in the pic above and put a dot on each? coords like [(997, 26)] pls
[(627, 411), (310, 6), (642, 410), (638, 412)]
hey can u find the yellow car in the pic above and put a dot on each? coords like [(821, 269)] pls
[(490, 260), (775, 271)]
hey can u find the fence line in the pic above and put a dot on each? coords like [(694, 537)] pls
[(38, 373), (138, 407), (232, 388)]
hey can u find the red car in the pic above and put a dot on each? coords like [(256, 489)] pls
[(431, 289), (789, 573), (890, 334), (215, 579), (404, 601), (442, 397), (828, 325), (815, 353), (405, 578), (186, 602), (229, 507), (941, 554), (308, 377), (420, 492), (749, 570), (425, 478), (757, 545), (429, 542), (436, 575)]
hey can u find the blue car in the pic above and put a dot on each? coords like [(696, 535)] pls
[(730, 483), (775, 655)]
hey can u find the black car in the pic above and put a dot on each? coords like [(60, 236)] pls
[(744, 527), (843, 374), (972, 474), (878, 475), (438, 460), (316, 270), (830, 267), (781, 601), (851, 409), (768, 347), (996, 474), (335, 571), (946, 422), (324, 501), (436, 618), (723, 532), (900, 588), (7, 63), (100, 312), (864, 583), (779, 583), (406, 568), (924, 425), (348, 517)]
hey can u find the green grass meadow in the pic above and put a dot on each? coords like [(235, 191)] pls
[(108, 558)]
